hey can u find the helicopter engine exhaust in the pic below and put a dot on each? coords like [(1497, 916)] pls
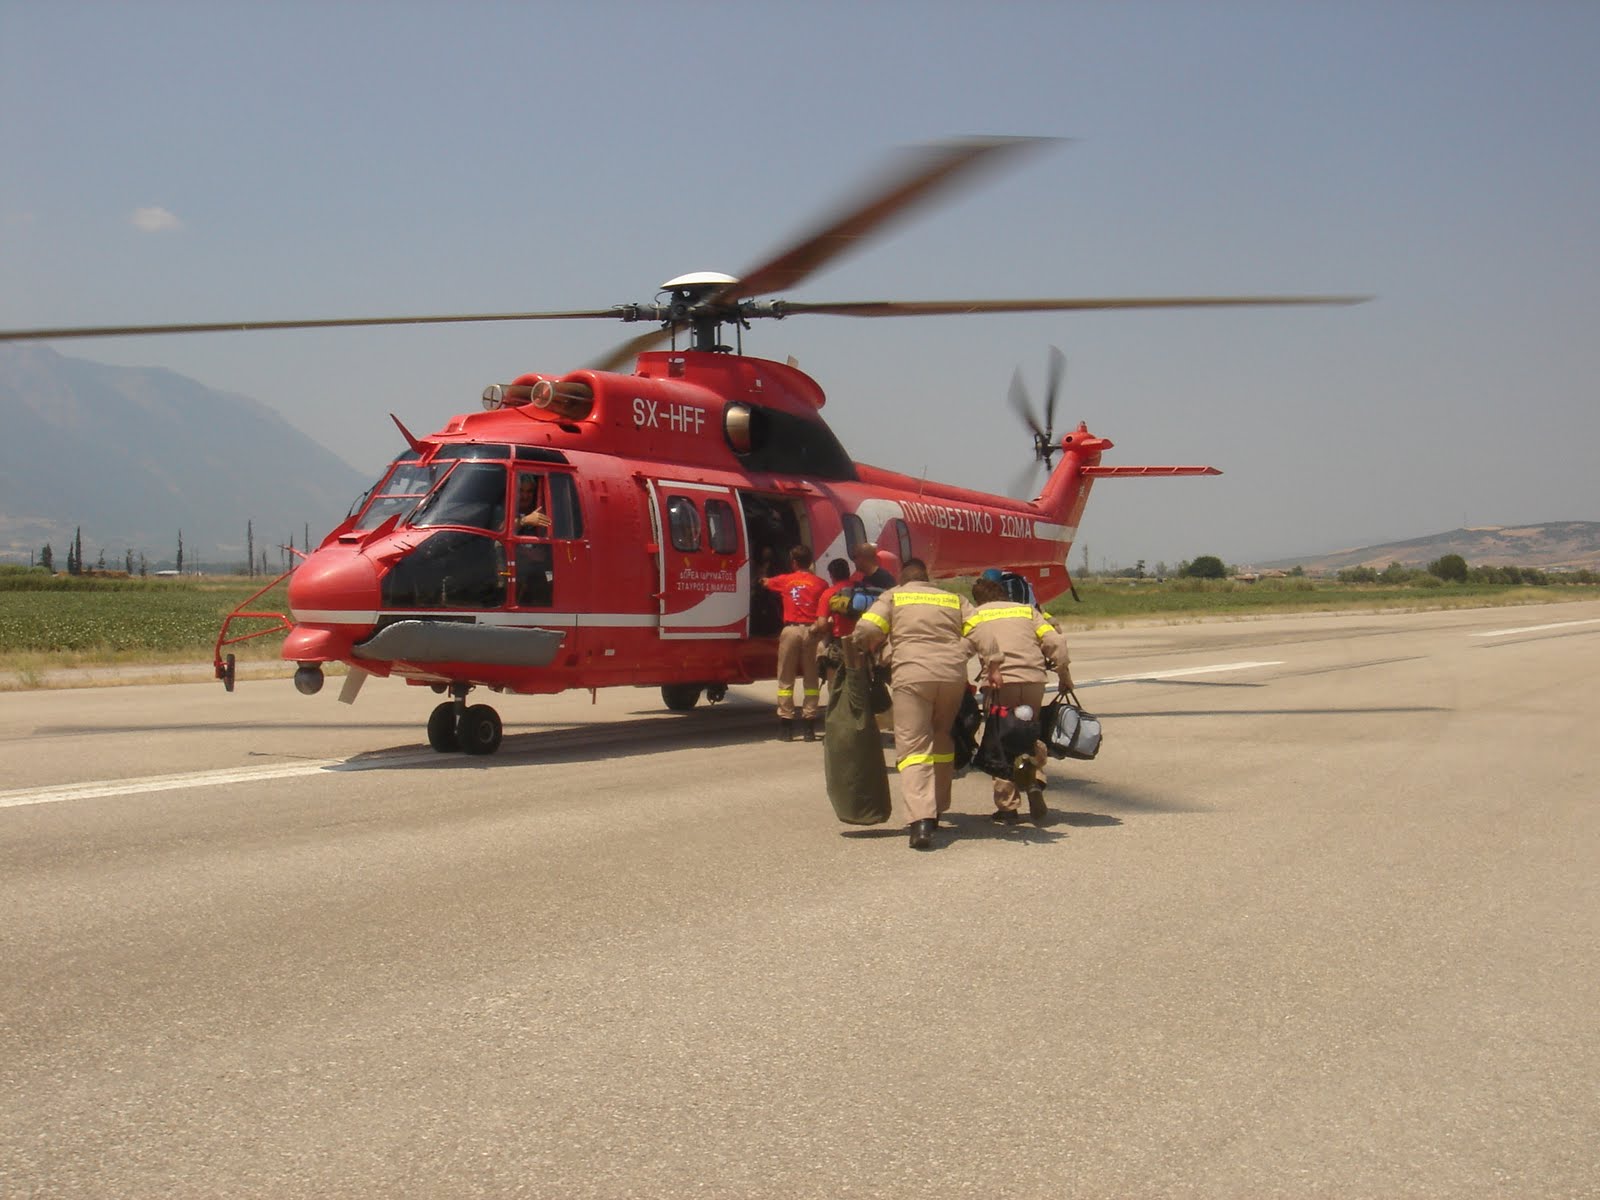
[(562, 400), (569, 401)]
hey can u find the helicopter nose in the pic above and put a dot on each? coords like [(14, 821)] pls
[(335, 586)]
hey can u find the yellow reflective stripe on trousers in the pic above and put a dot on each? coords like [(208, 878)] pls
[(917, 760), (873, 619), (811, 692), (995, 614), (937, 599), (786, 693)]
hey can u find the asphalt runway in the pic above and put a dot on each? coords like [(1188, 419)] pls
[(1322, 920)]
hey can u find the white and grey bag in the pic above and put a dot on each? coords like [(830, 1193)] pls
[(1069, 732)]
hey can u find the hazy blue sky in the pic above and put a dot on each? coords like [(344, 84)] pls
[(214, 161)]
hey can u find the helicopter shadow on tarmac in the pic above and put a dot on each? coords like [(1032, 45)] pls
[(731, 723)]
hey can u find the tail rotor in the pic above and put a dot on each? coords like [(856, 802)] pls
[(1045, 445)]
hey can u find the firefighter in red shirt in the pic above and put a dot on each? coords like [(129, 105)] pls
[(797, 643), (834, 622)]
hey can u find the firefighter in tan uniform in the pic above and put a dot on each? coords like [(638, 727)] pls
[(928, 658), (1017, 645)]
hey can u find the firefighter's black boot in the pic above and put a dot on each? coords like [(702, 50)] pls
[(810, 732), (786, 729)]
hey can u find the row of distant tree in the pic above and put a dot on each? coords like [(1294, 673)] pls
[(1207, 566), (133, 563), (1450, 568)]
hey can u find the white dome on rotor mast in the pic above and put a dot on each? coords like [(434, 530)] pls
[(698, 279)]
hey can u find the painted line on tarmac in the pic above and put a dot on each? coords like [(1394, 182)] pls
[(1537, 628), (1141, 676), (101, 788)]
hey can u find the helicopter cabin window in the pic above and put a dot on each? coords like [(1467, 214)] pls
[(407, 483), (473, 495), (854, 533), (721, 528), (901, 535), (683, 523)]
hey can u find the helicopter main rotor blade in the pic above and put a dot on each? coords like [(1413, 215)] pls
[(21, 335), (924, 172), (956, 308)]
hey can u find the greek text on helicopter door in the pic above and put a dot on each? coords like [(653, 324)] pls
[(704, 588)]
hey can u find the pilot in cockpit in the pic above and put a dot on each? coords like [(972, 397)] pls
[(531, 517)]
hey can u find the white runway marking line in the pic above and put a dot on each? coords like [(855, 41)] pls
[(1538, 628), (100, 788), (1179, 674)]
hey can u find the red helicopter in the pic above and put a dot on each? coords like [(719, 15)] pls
[(600, 529)]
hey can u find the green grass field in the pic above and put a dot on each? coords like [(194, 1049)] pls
[(1112, 600), (61, 621)]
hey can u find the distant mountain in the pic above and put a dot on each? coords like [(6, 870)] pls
[(1571, 544), (132, 455)]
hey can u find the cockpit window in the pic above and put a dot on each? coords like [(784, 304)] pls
[(408, 482), (473, 495), (564, 511)]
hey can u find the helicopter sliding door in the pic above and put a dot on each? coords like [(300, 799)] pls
[(700, 555)]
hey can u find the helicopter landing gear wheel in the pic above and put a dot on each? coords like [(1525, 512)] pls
[(442, 728), (680, 697), (479, 730)]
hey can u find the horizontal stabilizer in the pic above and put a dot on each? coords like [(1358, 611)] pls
[(1103, 472)]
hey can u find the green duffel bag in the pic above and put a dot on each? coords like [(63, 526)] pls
[(852, 752)]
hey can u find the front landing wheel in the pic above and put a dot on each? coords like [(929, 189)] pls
[(479, 731), (442, 728), (680, 697)]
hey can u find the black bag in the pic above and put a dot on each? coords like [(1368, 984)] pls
[(879, 696), (1069, 732), (1006, 738), (969, 717)]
